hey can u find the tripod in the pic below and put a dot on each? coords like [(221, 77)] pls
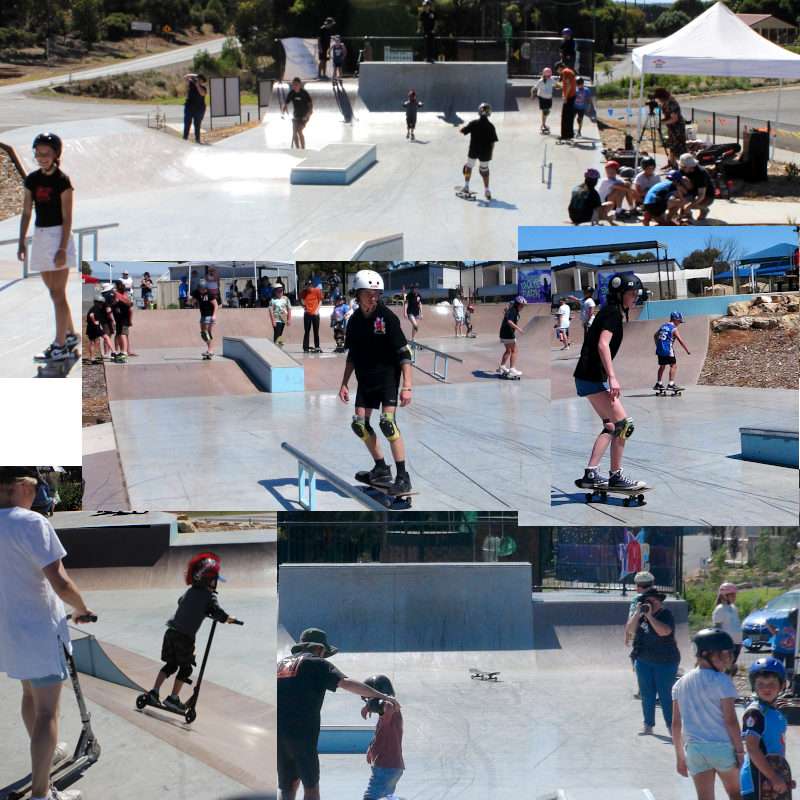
[(652, 128)]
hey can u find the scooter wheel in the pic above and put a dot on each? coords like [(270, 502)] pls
[(141, 701), (190, 716)]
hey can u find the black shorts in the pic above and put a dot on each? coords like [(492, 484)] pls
[(480, 154), (177, 648), (664, 361), (656, 209), (377, 389), (545, 103), (94, 332), (297, 761)]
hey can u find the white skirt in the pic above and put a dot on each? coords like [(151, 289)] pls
[(46, 242)]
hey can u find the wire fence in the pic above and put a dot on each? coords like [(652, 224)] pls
[(732, 127)]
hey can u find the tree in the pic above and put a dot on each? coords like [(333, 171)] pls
[(632, 258), (692, 8), (86, 20), (670, 21)]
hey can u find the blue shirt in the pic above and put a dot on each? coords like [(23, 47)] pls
[(783, 640), (183, 290), (768, 725), (665, 344), (660, 192), (582, 97)]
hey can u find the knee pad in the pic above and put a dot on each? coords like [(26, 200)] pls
[(389, 427), (184, 673), (362, 428), (467, 171), (624, 428), (170, 668), (483, 169), (204, 336)]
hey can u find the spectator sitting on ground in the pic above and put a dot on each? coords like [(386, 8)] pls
[(663, 202), (700, 192), (585, 203), (614, 191), (645, 179)]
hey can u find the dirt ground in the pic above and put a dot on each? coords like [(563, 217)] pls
[(11, 187), (95, 398), (778, 187), (760, 359)]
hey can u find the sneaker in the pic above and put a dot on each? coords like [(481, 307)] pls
[(618, 480), (174, 704), (487, 194), (703, 214), (61, 752), (502, 370), (515, 372), (57, 353), (71, 341), (46, 354), (154, 697), (381, 475), (65, 794), (413, 138), (408, 134), (647, 730), (592, 479), (401, 485), (658, 386)]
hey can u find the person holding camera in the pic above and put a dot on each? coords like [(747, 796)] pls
[(676, 125), (656, 656), (194, 108)]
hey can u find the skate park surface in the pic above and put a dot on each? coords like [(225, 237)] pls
[(687, 448), (27, 322), (229, 750), (472, 441), (537, 727), (233, 199)]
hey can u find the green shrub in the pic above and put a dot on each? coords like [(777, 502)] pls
[(213, 18), (117, 26), (196, 16), (86, 20), (71, 494), (702, 601), (14, 38)]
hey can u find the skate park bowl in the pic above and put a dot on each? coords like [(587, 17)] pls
[(770, 446), (339, 739), (446, 86), (229, 751), (335, 164), (269, 367)]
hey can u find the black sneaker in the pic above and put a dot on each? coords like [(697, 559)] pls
[(401, 485), (381, 475), (174, 704), (592, 479), (154, 697), (618, 480)]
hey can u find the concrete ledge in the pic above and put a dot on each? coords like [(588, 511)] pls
[(269, 367), (446, 86), (381, 248), (344, 739), (767, 446), (335, 164)]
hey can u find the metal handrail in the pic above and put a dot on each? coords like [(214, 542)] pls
[(437, 354), (307, 470), (90, 230)]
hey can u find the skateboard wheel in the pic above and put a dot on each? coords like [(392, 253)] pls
[(141, 701), (589, 498), (190, 716), (640, 498), (626, 502)]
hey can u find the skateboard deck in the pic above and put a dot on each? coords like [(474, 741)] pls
[(676, 392), (781, 766), (465, 195), (386, 496), (631, 496), (57, 369), (483, 675)]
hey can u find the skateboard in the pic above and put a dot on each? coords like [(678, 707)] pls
[(781, 766), (577, 140), (389, 498), (465, 195), (506, 377), (483, 675), (207, 356), (632, 496), (672, 392), (57, 369)]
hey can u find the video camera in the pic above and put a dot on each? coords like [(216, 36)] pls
[(651, 103)]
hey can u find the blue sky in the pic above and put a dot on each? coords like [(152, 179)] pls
[(680, 241)]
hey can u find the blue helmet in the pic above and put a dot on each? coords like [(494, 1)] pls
[(674, 175), (676, 316), (766, 666), (566, 31)]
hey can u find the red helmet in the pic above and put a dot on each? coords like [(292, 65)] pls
[(204, 568)]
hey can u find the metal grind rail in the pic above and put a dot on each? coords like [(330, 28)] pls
[(307, 471), (438, 355)]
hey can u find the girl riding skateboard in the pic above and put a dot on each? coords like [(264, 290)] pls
[(596, 380)]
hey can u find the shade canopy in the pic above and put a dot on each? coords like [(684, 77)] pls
[(717, 43)]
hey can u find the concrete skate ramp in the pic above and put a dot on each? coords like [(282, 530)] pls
[(234, 734), (410, 607), (96, 659), (636, 362), (445, 86), (571, 631)]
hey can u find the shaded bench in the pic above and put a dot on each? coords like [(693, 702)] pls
[(270, 368)]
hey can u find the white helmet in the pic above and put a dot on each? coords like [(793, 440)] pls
[(485, 110), (367, 279)]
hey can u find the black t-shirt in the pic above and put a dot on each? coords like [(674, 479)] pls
[(428, 21), (700, 179), (568, 50), (608, 318), (583, 202), (324, 40), (121, 311), (95, 317), (511, 315), (194, 100), (301, 103), (302, 682), (649, 646), (197, 603), (376, 343), (46, 191), (482, 137), (205, 302), (413, 302)]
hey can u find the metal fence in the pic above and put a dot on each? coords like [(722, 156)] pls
[(731, 127)]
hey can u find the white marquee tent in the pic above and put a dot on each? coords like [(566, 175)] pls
[(715, 43)]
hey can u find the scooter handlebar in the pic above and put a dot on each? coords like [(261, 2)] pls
[(238, 622), (83, 618)]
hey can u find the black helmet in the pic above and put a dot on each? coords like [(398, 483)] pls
[(51, 140), (619, 283), (711, 640), (381, 684)]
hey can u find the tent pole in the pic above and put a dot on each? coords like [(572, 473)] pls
[(777, 117), (629, 110), (639, 120)]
